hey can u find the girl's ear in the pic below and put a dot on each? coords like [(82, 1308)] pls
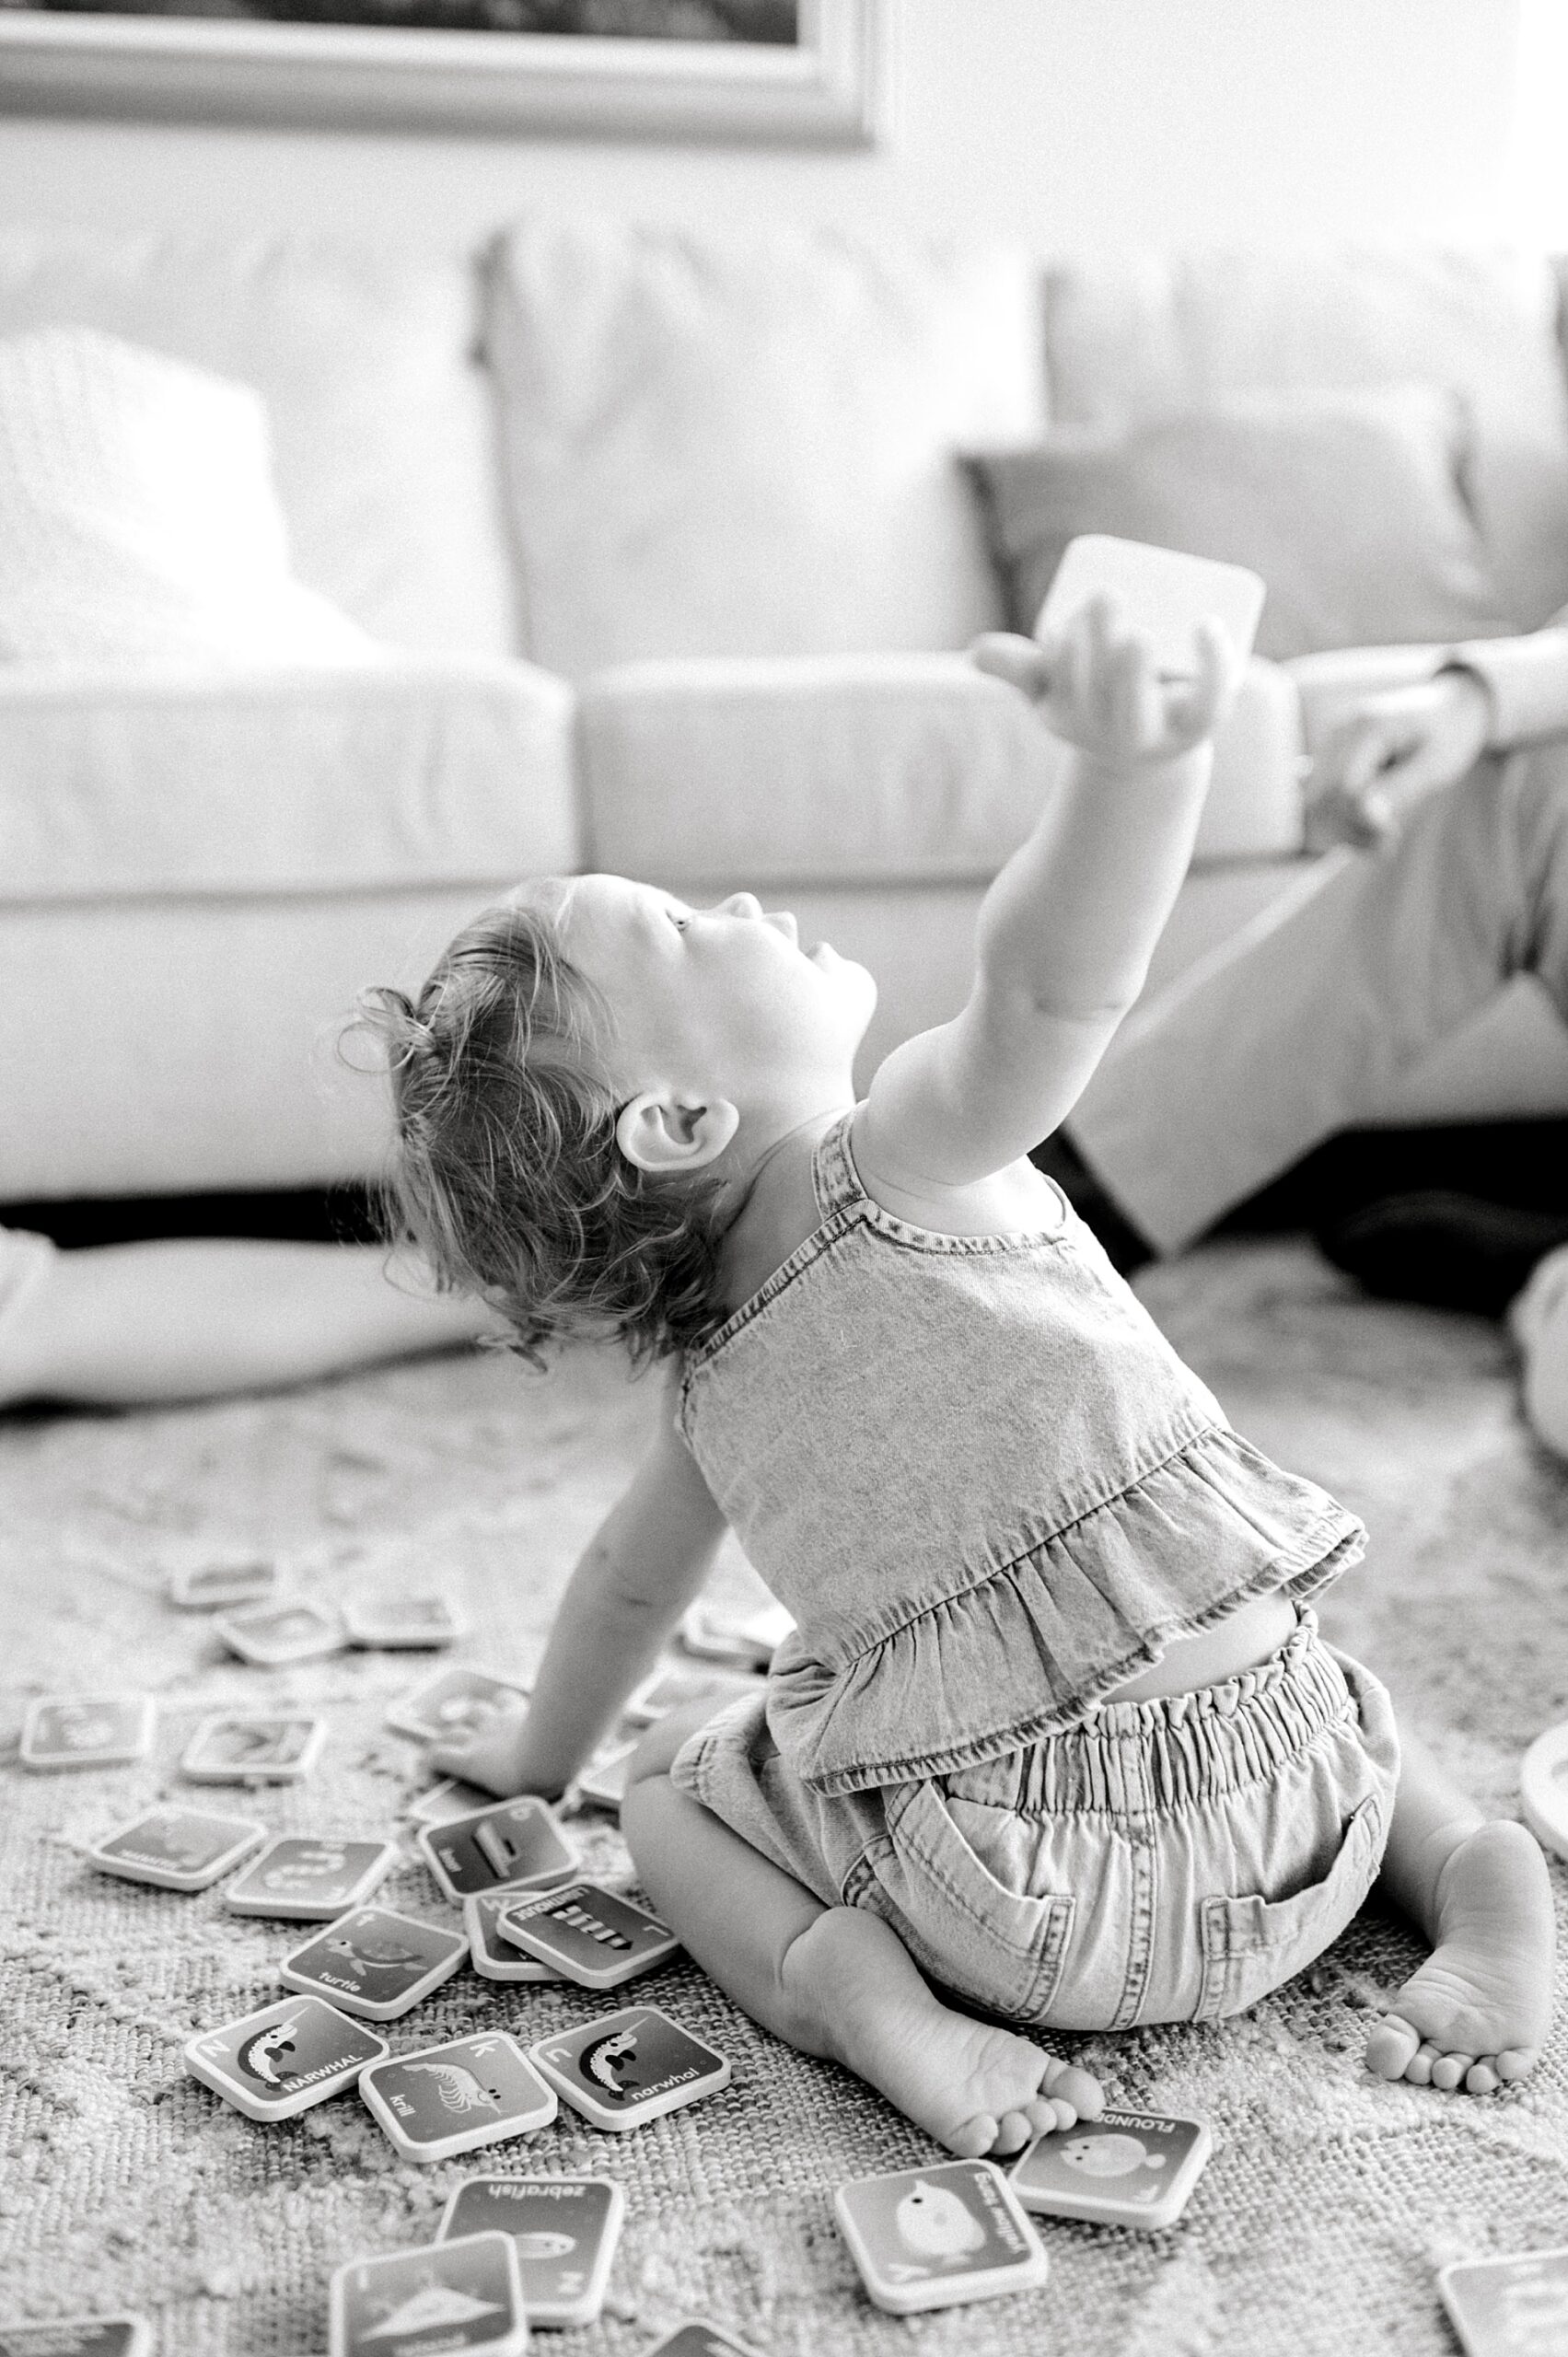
[(667, 1135)]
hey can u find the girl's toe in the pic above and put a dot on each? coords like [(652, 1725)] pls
[(1045, 2116), (1013, 2133), (1418, 2071), (1513, 2063), (975, 2138), (1392, 2047), (1448, 2070), (1481, 2079), (1081, 2092)]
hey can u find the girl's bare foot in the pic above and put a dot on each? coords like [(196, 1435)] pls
[(976, 2089), (1475, 2014)]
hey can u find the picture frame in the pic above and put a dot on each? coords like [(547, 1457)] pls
[(824, 90)]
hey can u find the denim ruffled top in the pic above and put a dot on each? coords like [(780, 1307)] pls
[(982, 1481)]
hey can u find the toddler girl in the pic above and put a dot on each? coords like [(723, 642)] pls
[(1056, 1741)]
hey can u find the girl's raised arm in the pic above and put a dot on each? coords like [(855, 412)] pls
[(1066, 931)]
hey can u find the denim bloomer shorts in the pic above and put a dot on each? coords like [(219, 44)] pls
[(1163, 1861)]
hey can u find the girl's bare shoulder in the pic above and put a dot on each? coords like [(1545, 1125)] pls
[(1015, 1200)]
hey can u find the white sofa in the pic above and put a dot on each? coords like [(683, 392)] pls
[(671, 535)]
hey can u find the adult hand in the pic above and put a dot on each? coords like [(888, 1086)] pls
[(1389, 753)]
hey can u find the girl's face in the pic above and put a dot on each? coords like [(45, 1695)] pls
[(713, 1002)]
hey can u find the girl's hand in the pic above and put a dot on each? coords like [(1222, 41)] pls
[(1390, 753), (493, 1754), (1096, 685)]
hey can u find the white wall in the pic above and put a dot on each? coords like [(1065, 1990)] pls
[(1535, 189), (1073, 122)]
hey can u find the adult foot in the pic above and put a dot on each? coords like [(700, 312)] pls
[(1475, 2014), (1440, 1246), (975, 2088)]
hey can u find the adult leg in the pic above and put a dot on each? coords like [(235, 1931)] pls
[(119, 1325), (1475, 2013), (834, 1981), (1537, 1320), (1303, 1024), (1455, 1217)]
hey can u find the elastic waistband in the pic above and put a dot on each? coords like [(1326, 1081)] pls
[(1136, 1758)]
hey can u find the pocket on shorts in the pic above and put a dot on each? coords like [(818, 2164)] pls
[(1253, 1945), (959, 1920)]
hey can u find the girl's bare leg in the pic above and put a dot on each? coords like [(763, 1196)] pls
[(1475, 2012), (119, 1325), (834, 1981)]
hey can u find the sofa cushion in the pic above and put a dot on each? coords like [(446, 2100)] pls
[(1347, 503), (137, 515), (187, 1043), (381, 422), (1137, 335), (725, 444), (422, 772), (893, 770)]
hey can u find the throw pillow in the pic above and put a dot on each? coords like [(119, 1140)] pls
[(138, 521), (1349, 503)]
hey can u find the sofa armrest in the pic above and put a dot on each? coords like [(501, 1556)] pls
[(420, 770), (896, 769)]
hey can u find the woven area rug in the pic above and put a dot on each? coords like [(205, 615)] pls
[(1331, 2199)]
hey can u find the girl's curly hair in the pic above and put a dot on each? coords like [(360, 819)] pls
[(506, 1174)]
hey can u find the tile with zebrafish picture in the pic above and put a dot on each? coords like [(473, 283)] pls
[(565, 2228)]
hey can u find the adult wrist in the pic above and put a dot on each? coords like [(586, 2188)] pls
[(1472, 687), (1527, 680)]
